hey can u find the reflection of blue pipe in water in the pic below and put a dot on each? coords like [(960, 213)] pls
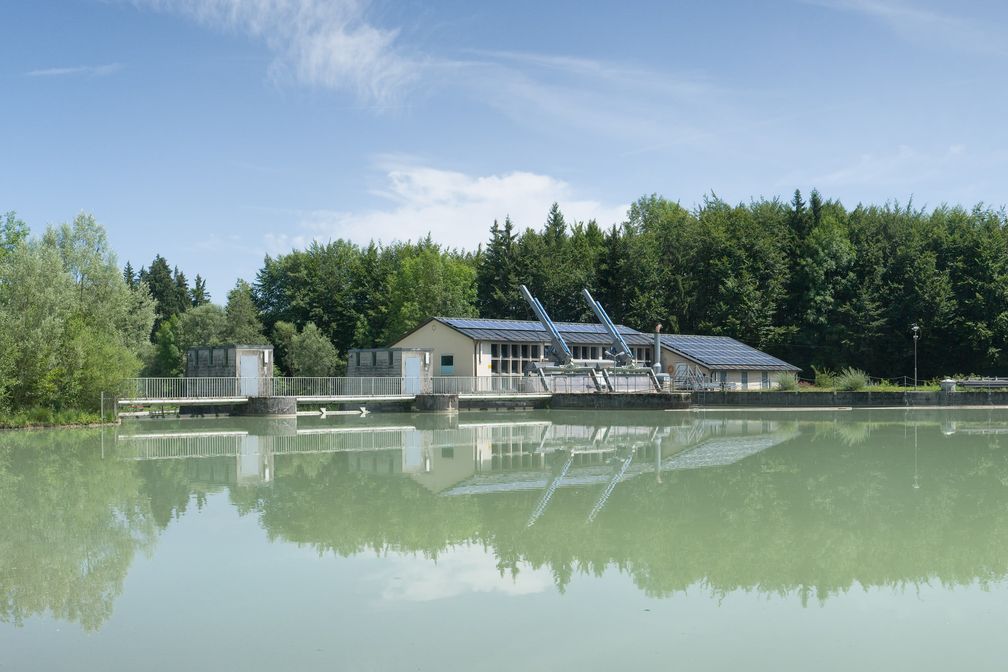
[(617, 477), (552, 488)]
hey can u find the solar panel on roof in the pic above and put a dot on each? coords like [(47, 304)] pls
[(722, 351)]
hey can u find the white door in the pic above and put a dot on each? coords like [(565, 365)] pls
[(249, 371), (411, 381)]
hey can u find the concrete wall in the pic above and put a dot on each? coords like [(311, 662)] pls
[(842, 399), (652, 401), (443, 340)]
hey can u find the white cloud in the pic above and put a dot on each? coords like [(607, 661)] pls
[(457, 209), (325, 43), (460, 570), (77, 70)]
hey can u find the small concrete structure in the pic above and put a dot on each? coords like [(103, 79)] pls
[(414, 365), (248, 363)]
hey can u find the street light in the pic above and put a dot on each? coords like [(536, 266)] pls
[(916, 334)]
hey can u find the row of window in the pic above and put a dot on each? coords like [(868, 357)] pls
[(377, 358), (722, 377), (512, 357)]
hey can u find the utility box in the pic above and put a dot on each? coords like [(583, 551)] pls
[(250, 365)]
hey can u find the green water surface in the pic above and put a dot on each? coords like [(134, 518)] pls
[(858, 540)]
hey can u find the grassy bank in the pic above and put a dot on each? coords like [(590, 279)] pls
[(47, 417)]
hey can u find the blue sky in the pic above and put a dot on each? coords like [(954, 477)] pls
[(214, 132)]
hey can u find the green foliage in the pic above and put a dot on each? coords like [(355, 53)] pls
[(312, 354), (13, 232), (429, 283), (199, 294), (824, 378), (283, 336), (206, 324), (787, 382), (851, 380), (168, 288), (242, 323), (70, 325), (30, 418), (167, 354)]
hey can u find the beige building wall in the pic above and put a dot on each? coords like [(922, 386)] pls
[(443, 340)]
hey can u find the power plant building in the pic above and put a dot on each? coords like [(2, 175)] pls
[(463, 346)]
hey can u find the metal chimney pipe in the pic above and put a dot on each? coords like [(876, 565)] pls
[(656, 360)]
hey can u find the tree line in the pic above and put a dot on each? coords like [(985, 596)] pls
[(810, 281)]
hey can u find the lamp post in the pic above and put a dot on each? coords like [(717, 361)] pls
[(916, 334)]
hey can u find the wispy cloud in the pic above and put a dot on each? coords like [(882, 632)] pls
[(77, 70), (333, 44), (459, 570), (455, 208), (905, 166), (917, 22), (325, 43)]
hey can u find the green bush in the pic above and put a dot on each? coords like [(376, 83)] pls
[(824, 378), (787, 382), (851, 380)]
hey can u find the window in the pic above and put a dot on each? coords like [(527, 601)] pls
[(745, 379), (765, 380), (512, 358), (594, 353), (447, 365), (448, 453)]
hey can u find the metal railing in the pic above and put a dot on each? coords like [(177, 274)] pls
[(485, 385), (343, 387), (188, 388), (223, 388)]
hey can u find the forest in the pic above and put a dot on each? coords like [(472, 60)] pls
[(807, 280)]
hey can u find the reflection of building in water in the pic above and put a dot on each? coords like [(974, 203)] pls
[(226, 457), (476, 458)]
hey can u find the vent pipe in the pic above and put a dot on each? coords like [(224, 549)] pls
[(656, 360)]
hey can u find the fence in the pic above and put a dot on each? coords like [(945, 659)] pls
[(228, 389)]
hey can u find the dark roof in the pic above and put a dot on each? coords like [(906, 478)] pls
[(529, 331), (722, 352)]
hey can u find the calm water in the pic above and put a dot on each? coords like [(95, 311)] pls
[(540, 541)]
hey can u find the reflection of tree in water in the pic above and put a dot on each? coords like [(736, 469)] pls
[(71, 524), (806, 518)]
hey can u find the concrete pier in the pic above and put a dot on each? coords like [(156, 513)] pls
[(269, 407), (436, 403)]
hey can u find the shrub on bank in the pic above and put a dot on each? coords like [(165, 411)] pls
[(824, 378), (851, 380), (787, 382), (46, 417)]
